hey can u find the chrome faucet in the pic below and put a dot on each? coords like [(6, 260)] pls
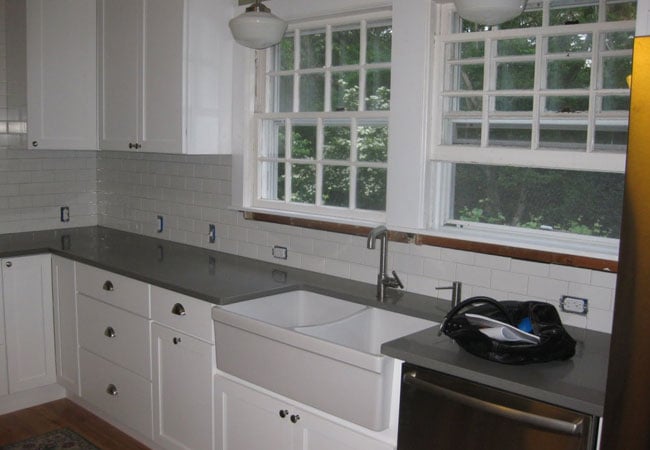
[(456, 295), (383, 279)]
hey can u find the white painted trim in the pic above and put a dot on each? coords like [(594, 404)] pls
[(31, 397)]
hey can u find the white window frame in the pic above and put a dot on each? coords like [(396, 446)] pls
[(442, 157), (263, 119)]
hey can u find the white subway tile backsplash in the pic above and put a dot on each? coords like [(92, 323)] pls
[(530, 268), (492, 261), (547, 288), (603, 279), (477, 276), (509, 282), (569, 273), (439, 269)]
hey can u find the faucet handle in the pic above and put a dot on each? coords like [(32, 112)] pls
[(399, 282)]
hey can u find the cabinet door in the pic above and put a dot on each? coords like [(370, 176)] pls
[(183, 369), (61, 74), (27, 292), (119, 44), (162, 114), (65, 323), (247, 419), (317, 433)]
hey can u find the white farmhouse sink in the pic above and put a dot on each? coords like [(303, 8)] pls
[(316, 349), (295, 309)]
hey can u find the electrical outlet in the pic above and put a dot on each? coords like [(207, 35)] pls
[(65, 214), (160, 224), (279, 252), (212, 233), (575, 305)]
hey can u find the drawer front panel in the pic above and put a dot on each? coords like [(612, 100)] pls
[(123, 395), (117, 290), (183, 313), (117, 335)]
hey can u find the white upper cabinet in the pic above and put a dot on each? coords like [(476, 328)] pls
[(165, 75), (61, 74)]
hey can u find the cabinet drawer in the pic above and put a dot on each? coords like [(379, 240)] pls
[(123, 395), (183, 313), (117, 290), (117, 335)]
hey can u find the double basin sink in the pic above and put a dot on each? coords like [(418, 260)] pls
[(316, 349)]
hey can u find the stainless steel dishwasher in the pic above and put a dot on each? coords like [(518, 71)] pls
[(442, 412)]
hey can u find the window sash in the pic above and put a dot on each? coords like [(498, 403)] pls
[(267, 113), (535, 154)]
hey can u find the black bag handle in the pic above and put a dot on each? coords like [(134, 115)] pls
[(470, 301)]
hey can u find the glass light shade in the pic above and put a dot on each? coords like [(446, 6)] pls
[(257, 29), (489, 12)]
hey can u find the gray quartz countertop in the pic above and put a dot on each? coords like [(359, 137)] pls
[(222, 278)]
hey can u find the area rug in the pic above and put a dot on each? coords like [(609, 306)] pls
[(61, 439)]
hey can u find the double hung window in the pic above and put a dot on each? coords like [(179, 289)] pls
[(322, 119), (531, 122)]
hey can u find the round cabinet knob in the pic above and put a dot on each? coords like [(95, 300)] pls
[(176, 340), (131, 144), (108, 286), (34, 143), (112, 390), (9, 264), (109, 332), (284, 413), (294, 418), (178, 309)]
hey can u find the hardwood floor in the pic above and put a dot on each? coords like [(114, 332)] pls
[(40, 419)]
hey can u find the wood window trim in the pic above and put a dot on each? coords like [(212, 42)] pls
[(541, 256)]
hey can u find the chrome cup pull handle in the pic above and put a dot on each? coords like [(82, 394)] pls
[(178, 309), (112, 390)]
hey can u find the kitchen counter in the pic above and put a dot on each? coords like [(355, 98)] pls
[(216, 277), (222, 278), (578, 383)]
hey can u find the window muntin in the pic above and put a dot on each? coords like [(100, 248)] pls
[(534, 116), (323, 134), (515, 87)]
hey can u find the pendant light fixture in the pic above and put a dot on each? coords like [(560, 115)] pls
[(489, 12), (257, 28)]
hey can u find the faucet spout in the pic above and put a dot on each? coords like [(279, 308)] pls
[(375, 234), (383, 279)]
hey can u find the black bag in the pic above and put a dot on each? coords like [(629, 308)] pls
[(555, 343)]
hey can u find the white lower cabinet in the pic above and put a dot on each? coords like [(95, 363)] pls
[(122, 394), (183, 369), (247, 419), (29, 333)]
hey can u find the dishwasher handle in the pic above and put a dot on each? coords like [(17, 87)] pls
[(574, 428)]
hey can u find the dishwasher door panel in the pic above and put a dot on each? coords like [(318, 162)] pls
[(441, 412)]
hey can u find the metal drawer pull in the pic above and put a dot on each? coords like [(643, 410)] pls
[(575, 428), (112, 390), (108, 286), (284, 413), (8, 264), (294, 418), (178, 309), (109, 332), (176, 340)]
